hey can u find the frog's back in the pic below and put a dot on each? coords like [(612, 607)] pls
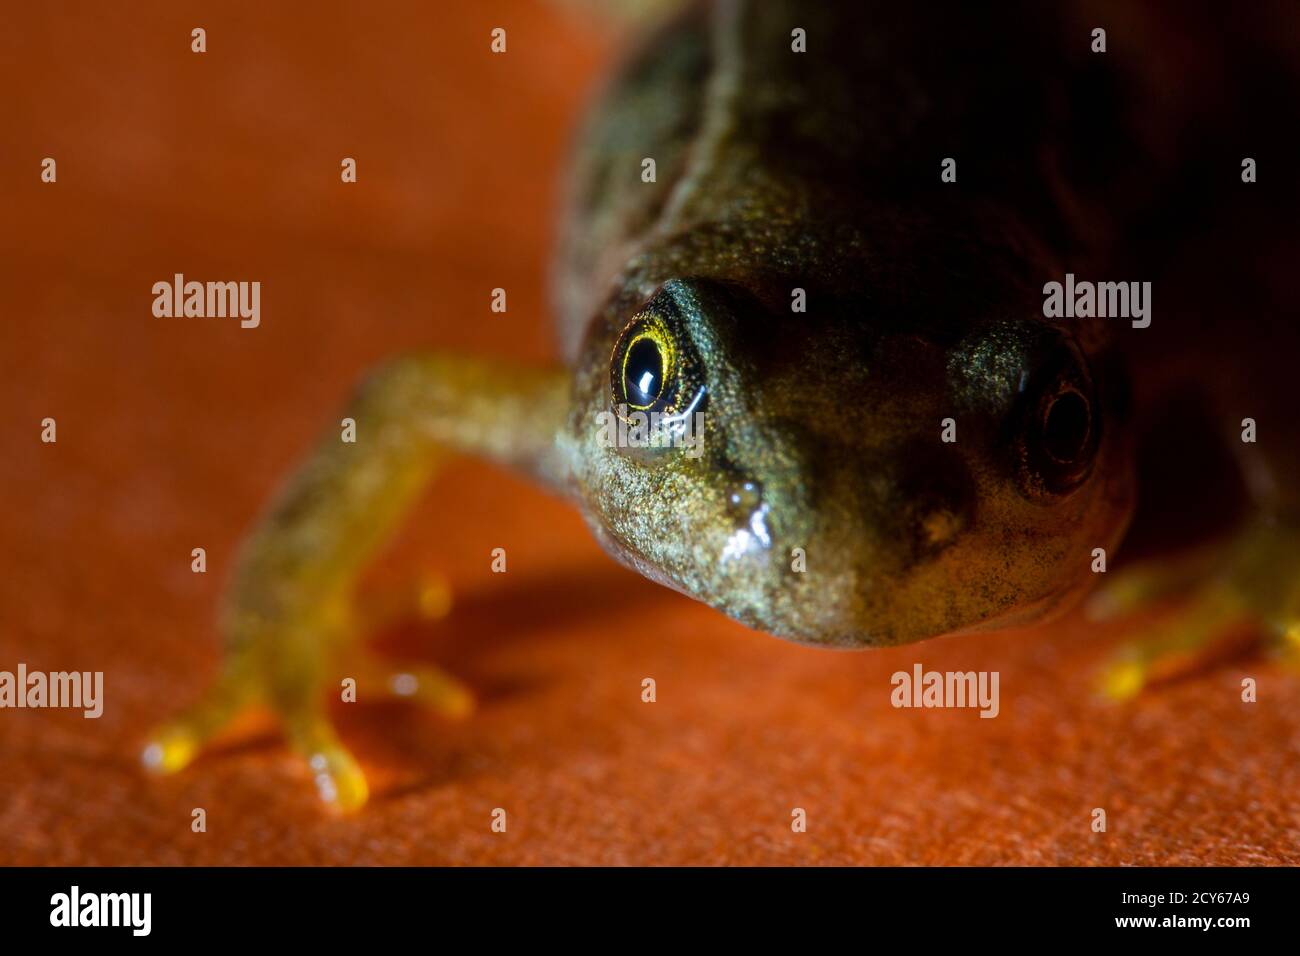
[(781, 119)]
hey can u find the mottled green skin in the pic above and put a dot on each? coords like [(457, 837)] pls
[(820, 171)]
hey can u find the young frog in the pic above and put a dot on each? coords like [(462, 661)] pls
[(839, 266)]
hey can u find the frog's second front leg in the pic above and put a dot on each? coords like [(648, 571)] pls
[(288, 618), (1251, 586)]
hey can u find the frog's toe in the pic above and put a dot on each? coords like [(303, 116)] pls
[(1122, 678), (1266, 573), (425, 597), (171, 746), (340, 781), (1284, 634), (1287, 646), (432, 596), (424, 684), (433, 688)]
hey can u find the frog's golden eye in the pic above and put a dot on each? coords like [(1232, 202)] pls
[(649, 370)]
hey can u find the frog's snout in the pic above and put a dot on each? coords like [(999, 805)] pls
[(823, 536)]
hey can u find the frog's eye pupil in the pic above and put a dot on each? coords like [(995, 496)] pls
[(1066, 427), (643, 372)]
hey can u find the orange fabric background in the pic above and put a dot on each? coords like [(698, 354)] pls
[(172, 432)]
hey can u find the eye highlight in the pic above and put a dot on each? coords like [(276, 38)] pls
[(650, 369)]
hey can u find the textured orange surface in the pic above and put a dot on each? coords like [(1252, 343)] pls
[(172, 432)]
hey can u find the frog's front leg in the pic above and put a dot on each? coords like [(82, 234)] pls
[(288, 618), (1251, 585)]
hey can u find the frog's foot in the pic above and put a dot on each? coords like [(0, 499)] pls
[(339, 780), (284, 670), (294, 670), (1253, 588), (1175, 646), (427, 597)]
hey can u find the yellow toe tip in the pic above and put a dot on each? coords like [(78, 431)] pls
[(1123, 680), (340, 782), (1291, 636), (168, 751), (345, 793), (459, 704), (434, 600)]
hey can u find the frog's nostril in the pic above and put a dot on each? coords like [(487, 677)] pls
[(937, 498), (940, 527), (744, 498)]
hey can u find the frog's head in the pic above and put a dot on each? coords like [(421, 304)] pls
[(846, 482)]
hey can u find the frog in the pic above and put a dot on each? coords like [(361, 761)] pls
[(835, 263)]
